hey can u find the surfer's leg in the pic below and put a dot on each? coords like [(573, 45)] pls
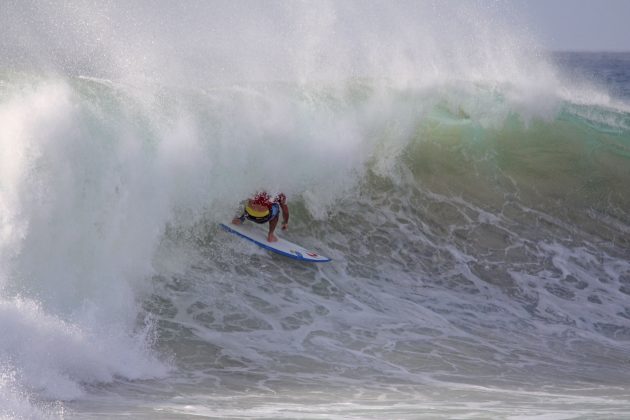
[(272, 226)]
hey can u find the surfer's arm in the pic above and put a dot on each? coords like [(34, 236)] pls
[(285, 215), (239, 219)]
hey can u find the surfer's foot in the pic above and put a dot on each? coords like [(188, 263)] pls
[(272, 238), (236, 221)]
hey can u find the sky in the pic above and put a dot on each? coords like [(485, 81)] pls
[(578, 25)]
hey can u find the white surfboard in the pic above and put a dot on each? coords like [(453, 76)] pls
[(258, 236)]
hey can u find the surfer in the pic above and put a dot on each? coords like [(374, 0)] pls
[(262, 209)]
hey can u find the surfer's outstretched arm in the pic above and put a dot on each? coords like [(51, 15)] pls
[(285, 211), (239, 220)]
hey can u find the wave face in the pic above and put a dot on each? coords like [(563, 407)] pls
[(471, 190)]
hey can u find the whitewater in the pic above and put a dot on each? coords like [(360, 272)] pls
[(470, 186)]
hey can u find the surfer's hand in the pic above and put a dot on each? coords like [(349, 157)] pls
[(285, 225)]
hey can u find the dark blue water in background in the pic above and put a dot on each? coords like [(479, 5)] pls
[(608, 70)]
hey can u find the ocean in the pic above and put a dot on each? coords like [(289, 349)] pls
[(471, 187)]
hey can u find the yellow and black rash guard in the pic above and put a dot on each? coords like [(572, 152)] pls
[(261, 216)]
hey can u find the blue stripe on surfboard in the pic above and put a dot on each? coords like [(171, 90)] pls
[(270, 248)]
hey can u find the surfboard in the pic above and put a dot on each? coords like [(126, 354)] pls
[(258, 236)]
